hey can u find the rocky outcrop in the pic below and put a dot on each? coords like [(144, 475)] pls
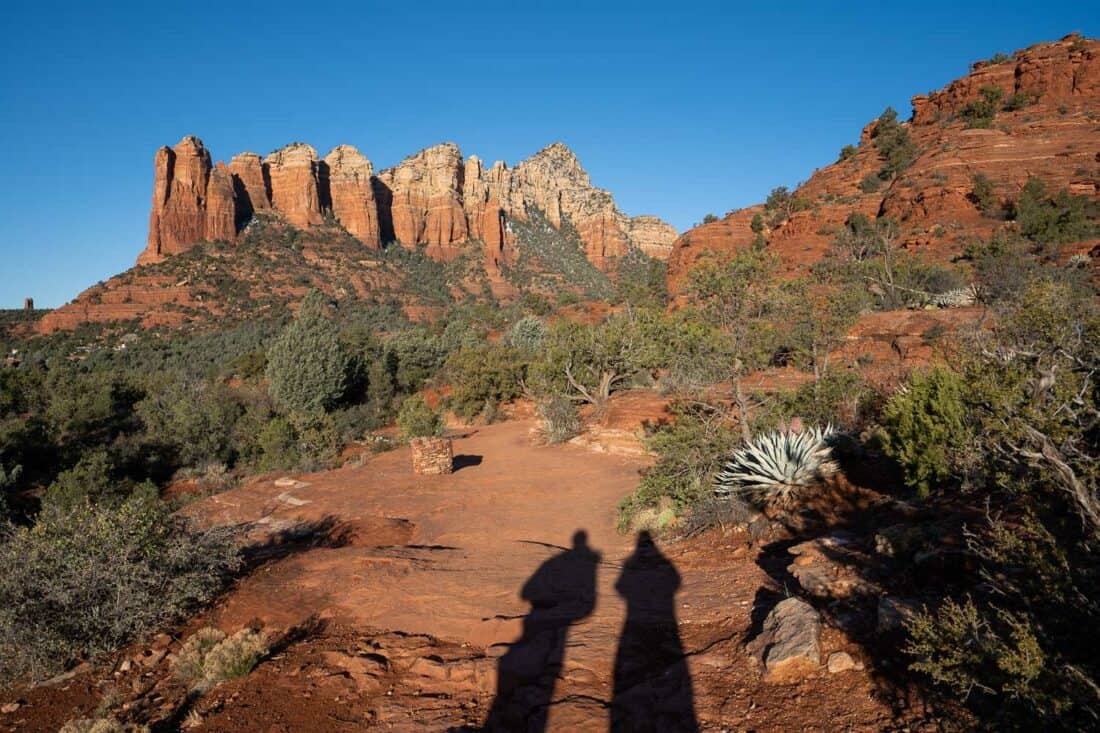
[(293, 173), (346, 177), (431, 199), (1060, 74), (652, 235), (251, 186), (1043, 127), (425, 200), (178, 218)]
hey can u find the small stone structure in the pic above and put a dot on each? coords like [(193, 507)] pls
[(28, 304), (432, 455)]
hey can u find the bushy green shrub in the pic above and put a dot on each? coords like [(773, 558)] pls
[(1050, 221), (306, 364), (417, 419), (85, 582), (893, 143), (979, 113), (984, 195), (847, 152), (924, 428), (484, 375), (690, 450), (709, 219), (528, 333)]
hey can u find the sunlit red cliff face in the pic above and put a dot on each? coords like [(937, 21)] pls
[(433, 198), (1054, 135)]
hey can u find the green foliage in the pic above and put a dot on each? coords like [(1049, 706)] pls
[(192, 419), (590, 362), (417, 419), (847, 152), (781, 204), (484, 376), (1050, 221), (840, 397), (709, 219), (689, 451), (984, 195), (209, 656), (306, 364), (527, 334), (925, 427), (893, 143), (640, 280), (416, 355), (979, 113), (997, 58), (1017, 101), (87, 581), (757, 224), (870, 183), (91, 481)]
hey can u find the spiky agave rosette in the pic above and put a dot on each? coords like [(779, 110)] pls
[(773, 468)]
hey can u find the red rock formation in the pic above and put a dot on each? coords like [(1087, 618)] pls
[(293, 173), (425, 193), (1052, 137), (347, 176), (221, 213), (652, 235), (250, 184), (178, 219), (429, 199)]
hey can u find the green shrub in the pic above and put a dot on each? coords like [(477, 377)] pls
[(87, 581), (417, 419), (710, 219), (484, 375), (979, 113), (848, 152), (690, 450), (925, 427), (893, 143), (870, 183), (528, 333), (1050, 221), (306, 364), (772, 469), (984, 195), (92, 480)]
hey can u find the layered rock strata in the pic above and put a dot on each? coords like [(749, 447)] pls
[(433, 199)]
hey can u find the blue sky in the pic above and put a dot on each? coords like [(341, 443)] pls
[(678, 108)]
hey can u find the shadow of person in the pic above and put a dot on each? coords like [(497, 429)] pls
[(652, 684), (561, 592)]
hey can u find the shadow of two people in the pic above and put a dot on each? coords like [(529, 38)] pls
[(651, 686)]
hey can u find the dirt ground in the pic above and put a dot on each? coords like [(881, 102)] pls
[(428, 603)]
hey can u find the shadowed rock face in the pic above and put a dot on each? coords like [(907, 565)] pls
[(1048, 132), (432, 199)]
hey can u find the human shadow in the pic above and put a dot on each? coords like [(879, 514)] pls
[(561, 592), (652, 684)]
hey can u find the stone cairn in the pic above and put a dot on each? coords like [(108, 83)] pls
[(432, 455)]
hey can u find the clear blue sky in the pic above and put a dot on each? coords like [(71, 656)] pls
[(679, 108)]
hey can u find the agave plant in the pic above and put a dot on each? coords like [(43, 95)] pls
[(957, 298), (772, 468)]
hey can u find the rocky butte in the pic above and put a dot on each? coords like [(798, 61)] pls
[(434, 199), (1044, 126)]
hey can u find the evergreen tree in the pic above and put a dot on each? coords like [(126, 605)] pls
[(307, 365)]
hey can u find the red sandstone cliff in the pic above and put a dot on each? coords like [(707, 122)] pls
[(1052, 135), (432, 199)]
